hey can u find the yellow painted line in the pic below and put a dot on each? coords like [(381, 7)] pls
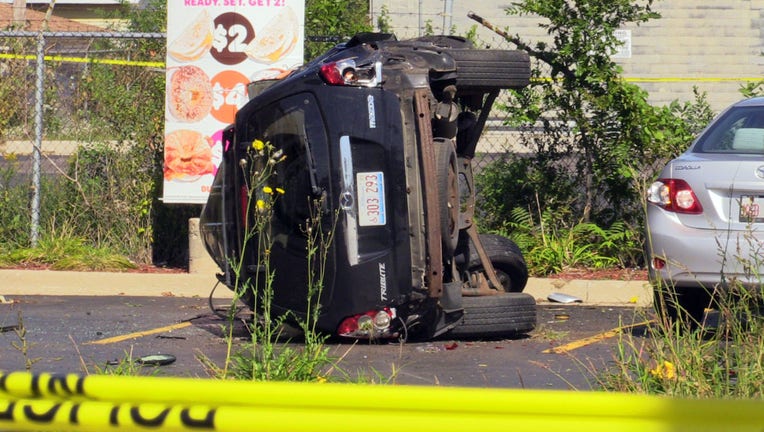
[(562, 349), (85, 60), (139, 334)]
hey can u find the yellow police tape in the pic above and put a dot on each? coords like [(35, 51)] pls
[(44, 402), (675, 79), (162, 64), (85, 60)]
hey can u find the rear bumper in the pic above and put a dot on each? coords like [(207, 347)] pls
[(701, 257)]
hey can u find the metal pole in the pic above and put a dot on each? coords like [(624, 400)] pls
[(420, 19), (448, 12), (35, 224)]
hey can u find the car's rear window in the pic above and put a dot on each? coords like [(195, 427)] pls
[(739, 130)]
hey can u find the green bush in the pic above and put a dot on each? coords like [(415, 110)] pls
[(600, 140), (550, 245)]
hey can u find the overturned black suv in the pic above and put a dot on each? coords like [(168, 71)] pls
[(382, 133)]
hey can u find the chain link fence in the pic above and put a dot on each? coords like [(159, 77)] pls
[(46, 101), (67, 54), (50, 108)]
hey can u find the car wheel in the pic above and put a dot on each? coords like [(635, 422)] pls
[(491, 69), (504, 254), (504, 314), (448, 185), (681, 305)]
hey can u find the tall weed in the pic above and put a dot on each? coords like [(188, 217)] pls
[(703, 343), (723, 359), (266, 357)]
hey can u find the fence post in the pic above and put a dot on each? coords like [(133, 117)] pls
[(36, 150)]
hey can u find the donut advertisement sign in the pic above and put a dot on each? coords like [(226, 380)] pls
[(214, 49)]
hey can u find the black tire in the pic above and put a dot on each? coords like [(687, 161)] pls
[(506, 314), (504, 254), (448, 195), (491, 69)]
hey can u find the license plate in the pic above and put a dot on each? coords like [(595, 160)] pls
[(371, 198), (751, 209)]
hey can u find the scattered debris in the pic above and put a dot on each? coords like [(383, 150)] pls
[(156, 360), (563, 298), (6, 329), (429, 348)]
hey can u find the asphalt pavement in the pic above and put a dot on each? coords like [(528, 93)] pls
[(75, 321)]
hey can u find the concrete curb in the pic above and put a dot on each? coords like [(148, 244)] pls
[(599, 292), (68, 283)]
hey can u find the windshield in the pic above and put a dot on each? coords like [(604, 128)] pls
[(739, 130)]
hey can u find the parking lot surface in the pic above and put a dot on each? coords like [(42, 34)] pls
[(569, 349)]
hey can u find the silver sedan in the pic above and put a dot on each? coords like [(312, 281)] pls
[(705, 213)]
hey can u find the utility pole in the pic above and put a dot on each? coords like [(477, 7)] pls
[(19, 13)]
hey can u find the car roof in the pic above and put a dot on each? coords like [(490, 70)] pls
[(755, 101)]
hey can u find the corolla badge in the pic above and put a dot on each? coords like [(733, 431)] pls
[(760, 172)]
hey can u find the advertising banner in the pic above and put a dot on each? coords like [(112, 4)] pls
[(214, 49)]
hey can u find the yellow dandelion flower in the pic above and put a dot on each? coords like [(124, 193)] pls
[(260, 205), (665, 370), (258, 145), (280, 191), (320, 379), (268, 190)]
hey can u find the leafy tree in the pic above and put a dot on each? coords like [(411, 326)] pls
[(600, 143), (597, 126), (593, 119), (328, 22)]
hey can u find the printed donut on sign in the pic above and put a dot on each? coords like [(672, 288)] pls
[(189, 94)]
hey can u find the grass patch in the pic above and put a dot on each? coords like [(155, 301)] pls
[(66, 253), (722, 357)]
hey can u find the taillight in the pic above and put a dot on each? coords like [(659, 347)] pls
[(332, 74), (346, 73), (370, 325), (674, 195), (659, 263)]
